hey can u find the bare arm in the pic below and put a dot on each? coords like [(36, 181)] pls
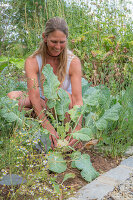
[(76, 77), (31, 69)]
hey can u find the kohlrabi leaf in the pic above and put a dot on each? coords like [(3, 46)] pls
[(101, 124), (90, 119), (56, 163), (84, 134), (51, 103), (12, 117), (88, 172), (61, 132), (80, 136), (51, 83), (89, 91), (92, 99), (85, 86), (12, 179), (62, 106), (75, 112), (86, 131), (75, 156), (113, 112)]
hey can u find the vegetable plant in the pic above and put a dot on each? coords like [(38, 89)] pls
[(99, 110)]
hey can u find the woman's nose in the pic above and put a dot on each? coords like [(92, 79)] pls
[(57, 46)]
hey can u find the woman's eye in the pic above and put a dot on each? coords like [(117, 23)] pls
[(62, 42), (54, 42)]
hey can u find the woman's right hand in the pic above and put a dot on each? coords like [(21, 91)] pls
[(53, 136)]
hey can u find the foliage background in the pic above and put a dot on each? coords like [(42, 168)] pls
[(100, 34)]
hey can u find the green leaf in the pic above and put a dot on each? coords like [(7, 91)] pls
[(12, 117), (85, 86), (75, 112), (92, 98), (101, 124), (67, 127), (56, 187), (61, 132), (80, 136), (17, 62), (89, 175), (75, 156), (51, 103), (90, 119), (84, 164), (83, 134), (62, 106), (113, 113), (86, 131), (56, 163), (51, 83), (67, 176)]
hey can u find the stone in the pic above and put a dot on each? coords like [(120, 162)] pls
[(129, 151), (128, 162), (118, 174), (97, 189)]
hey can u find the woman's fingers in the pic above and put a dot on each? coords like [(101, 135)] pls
[(67, 138), (54, 140), (72, 142), (52, 145)]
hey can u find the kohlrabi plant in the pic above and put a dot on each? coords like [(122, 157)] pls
[(58, 100), (99, 110)]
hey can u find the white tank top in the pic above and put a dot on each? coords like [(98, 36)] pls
[(66, 85)]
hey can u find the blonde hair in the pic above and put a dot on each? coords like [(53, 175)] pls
[(53, 24)]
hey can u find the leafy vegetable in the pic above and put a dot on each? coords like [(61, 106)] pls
[(56, 163), (51, 83), (62, 105), (82, 162), (84, 134)]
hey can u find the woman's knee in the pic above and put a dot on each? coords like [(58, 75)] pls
[(14, 94), (23, 99)]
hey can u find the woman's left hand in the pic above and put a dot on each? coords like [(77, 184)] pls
[(73, 142)]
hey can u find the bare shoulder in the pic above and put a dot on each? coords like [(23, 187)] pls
[(31, 64), (75, 65)]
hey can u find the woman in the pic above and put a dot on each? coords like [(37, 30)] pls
[(53, 50)]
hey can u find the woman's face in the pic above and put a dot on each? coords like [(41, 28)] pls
[(56, 42)]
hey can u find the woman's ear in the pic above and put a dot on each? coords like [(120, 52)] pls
[(44, 38)]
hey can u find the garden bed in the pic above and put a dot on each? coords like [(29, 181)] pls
[(99, 161)]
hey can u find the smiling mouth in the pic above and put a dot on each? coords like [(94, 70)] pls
[(56, 50)]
